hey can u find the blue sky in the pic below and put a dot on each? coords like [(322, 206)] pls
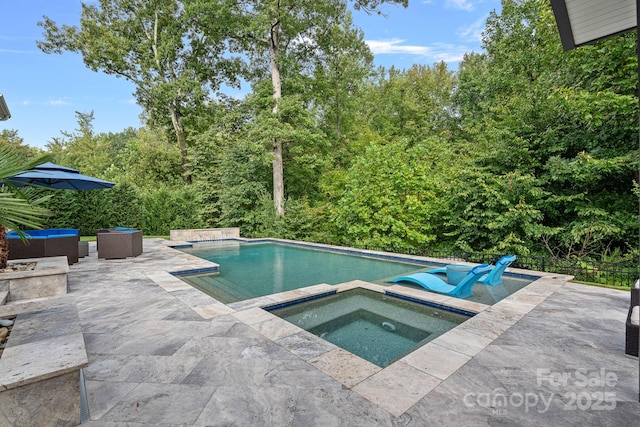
[(43, 91)]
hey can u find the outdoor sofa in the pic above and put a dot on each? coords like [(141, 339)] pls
[(119, 242), (632, 332), (45, 243)]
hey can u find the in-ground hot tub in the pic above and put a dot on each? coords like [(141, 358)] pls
[(378, 327)]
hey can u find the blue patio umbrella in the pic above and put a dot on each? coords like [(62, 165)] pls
[(58, 177)]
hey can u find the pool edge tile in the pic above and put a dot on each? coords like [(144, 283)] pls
[(252, 316), (463, 341), (436, 360), (397, 387), (276, 328), (345, 367)]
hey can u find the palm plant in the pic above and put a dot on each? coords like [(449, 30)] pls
[(18, 207)]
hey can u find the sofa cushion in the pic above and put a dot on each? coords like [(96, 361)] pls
[(51, 232)]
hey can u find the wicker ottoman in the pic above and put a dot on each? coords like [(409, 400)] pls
[(83, 249)]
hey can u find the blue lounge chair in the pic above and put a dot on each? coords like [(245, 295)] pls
[(433, 283), (494, 277)]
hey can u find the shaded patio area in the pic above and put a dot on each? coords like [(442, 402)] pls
[(161, 352)]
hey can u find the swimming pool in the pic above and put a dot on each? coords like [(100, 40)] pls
[(375, 326), (250, 270)]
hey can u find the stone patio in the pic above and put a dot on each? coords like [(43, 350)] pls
[(163, 353)]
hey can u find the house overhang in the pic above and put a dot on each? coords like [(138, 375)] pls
[(4, 110), (582, 22)]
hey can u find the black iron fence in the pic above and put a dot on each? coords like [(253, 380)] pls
[(622, 274)]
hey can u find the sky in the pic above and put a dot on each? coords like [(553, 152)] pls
[(44, 91)]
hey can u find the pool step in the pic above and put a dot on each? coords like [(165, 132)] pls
[(223, 290)]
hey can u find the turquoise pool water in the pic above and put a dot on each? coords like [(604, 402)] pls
[(377, 327), (250, 270)]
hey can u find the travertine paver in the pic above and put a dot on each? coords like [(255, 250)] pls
[(345, 367), (160, 354), (398, 387), (463, 341), (436, 360)]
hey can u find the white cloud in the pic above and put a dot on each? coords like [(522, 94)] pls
[(434, 53), (58, 102), (22, 52), (394, 47), (460, 4), (472, 32)]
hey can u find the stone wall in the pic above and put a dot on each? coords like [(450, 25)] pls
[(205, 234), (40, 368), (47, 279)]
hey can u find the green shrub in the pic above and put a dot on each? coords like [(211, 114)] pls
[(166, 209)]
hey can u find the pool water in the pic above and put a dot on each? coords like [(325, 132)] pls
[(250, 270), (377, 327)]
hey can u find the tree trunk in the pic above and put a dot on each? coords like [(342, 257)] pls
[(4, 248), (182, 143), (278, 168)]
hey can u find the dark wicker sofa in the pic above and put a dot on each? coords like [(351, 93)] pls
[(114, 243), (632, 332), (45, 243)]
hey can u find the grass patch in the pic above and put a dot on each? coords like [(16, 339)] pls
[(93, 238), (602, 285)]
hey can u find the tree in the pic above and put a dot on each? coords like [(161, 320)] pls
[(10, 139), (339, 79), (417, 102), (284, 38), (395, 194), (81, 149), (17, 207), (154, 44), (562, 127)]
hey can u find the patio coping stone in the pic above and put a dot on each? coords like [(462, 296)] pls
[(258, 359)]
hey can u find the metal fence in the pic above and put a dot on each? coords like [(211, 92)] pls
[(622, 274)]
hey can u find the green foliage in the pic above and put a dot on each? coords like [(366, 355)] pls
[(417, 102), (154, 210), (244, 180), (494, 213), (393, 194), (88, 211), (302, 222), (19, 208), (166, 209), (146, 158), (159, 47), (10, 139), (305, 146), (567, 122)]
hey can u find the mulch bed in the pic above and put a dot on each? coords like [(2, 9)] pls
[(19, 266)]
